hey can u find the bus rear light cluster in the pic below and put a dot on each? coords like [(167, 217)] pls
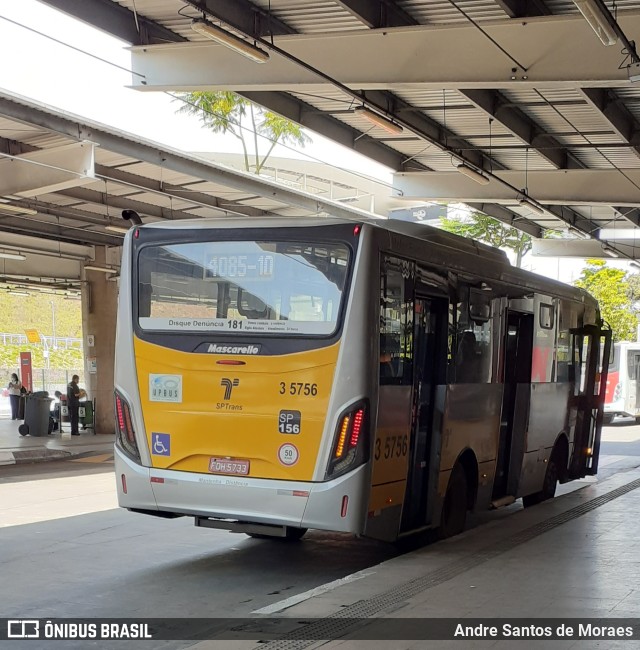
[(125, 434), (350, 446), (617, 392)]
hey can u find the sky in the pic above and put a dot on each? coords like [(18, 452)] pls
[(69, 79)]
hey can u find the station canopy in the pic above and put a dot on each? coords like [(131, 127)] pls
[(526, 110)]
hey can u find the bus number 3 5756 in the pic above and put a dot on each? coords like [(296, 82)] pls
[(299, 388), (394, 446)]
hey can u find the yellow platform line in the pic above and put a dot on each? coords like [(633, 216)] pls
[(100, 458)]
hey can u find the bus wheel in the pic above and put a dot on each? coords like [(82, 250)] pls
[(548, 491), (454, 509)]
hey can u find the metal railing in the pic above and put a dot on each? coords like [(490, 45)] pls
[(50, 342)]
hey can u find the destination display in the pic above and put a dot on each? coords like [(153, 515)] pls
[(252, 266)]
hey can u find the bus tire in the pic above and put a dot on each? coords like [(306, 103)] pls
[(551, 477), (454, 508)]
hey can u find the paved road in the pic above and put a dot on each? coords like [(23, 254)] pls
[(67, 551)]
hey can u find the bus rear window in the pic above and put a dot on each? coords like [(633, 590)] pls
[(242, 286)]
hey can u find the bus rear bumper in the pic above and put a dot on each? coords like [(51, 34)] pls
[(333, 505)]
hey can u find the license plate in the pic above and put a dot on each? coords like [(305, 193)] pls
[(237, 466)]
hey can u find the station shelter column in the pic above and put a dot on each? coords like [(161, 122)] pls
[(99, 308)]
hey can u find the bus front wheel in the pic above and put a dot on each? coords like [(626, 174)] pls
[(454, 508), (549, 485)]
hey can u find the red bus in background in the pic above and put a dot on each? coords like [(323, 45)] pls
[(623, 382)]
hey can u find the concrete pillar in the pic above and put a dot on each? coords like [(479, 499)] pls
[(99, 307)]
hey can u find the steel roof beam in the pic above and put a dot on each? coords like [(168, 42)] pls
[(503, 214), (125, 202), (523, 8), (497, 107), (242, 15), (574, 220), (586, 187), (378, 13), (195, 197), (430, 130), (558, 50), (620, 119), (630, 214), (171, 159), (47, 230), (116, 20), (298, 111)]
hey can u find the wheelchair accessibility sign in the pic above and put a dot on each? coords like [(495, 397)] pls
[(161, 444)]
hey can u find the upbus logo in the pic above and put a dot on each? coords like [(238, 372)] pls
[(228, 386)]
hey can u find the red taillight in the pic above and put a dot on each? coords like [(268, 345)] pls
[(357, 427), (230, 362), (125, 435), (350, 447), (123, 478), (356, 231), (120, 412), (136, 233), (345, 505)]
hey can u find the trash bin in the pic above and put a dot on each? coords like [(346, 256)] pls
[(85, 414), (36, 415), (21, 403)]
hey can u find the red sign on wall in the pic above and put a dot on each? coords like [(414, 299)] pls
[(25, 371)]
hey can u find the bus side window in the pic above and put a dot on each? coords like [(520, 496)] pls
[(473, 349), (396, 325)]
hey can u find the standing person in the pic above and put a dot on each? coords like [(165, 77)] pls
[(14, 387), (74, 393)]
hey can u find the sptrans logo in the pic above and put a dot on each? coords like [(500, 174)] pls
[(214, 348)]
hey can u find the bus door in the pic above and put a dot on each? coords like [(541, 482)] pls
[(633, 373), (516, 373), (430, 358), (592, 346)]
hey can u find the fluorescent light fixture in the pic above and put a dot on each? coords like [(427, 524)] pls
[(594, 14), (120, 229), (12, 256), (525, 201), (104, 269), (18, 293), (379, 120), (230, 40), (8, 207), (474, 175), (633, 70)]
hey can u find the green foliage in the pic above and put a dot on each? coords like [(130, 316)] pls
[(225, 112), (485, 229), (609, 286)]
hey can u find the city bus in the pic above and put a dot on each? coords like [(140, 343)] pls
[(371, 377), (622, 395)]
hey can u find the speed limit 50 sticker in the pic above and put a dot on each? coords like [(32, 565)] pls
[(288, 454)]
